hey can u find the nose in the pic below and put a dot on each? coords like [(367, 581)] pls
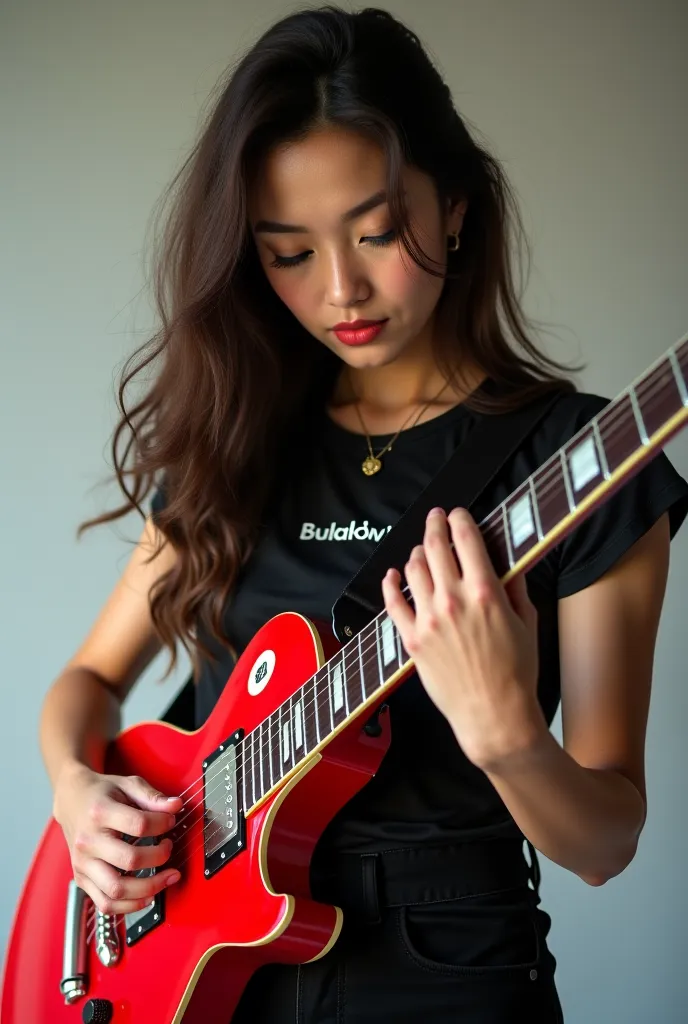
[(346, 282)]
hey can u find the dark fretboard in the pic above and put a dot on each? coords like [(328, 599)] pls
[(579, 477)]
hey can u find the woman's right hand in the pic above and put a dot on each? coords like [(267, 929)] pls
[(93, 810)]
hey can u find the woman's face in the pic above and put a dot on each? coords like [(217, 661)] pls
[(347, 266)]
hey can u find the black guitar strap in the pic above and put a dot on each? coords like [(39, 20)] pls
[(459, 483)]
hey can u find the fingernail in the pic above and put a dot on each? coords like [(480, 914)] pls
[(436, 512), (174, 877)]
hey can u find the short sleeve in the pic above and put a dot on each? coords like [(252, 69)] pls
[(594, 546)]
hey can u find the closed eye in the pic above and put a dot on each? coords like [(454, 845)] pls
[(295, 261)]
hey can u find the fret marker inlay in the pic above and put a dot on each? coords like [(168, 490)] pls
[(337, 688), (298, 724), (521, 519), (584, 464), (285, 742), (389, 647)]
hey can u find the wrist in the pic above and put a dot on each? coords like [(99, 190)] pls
[(70, 773), (520, 739)]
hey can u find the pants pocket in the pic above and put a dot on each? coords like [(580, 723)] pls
[(494, 934)]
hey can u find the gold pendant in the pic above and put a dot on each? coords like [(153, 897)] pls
[(371, 465)]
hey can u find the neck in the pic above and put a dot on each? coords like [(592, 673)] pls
[(402, 384), (412, 378)]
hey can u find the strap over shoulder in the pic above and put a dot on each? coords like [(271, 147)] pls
[(460, 482)]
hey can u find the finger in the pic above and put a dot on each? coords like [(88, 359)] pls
[(113, 813), (418, 578), (147, 796), (477, 570), (517, 592), (101, 901), (120, 888), (441, 561), (398, 608), (127, 856)]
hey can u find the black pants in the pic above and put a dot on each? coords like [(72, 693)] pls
[(451, 934)]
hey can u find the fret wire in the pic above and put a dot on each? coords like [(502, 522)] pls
[(302, 716), (254, 767), (360, 662), (284, 743), (638, 416), (567, 482), (298, 722), (536, 509), (601, 453), (400, 656), (364, 662), (507, 535), (328, 683), (269, 751), (275, 746), (308, 733), (254, 770), (378, 652), (345, 687), (352, 701), (678, 376), (315, 708), (260, 757), (323, 704), (243, 774), (329, 697), (292, 730)]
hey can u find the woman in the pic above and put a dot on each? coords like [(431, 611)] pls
[(335, 182)]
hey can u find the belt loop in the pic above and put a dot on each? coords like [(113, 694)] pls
[(369, 884)]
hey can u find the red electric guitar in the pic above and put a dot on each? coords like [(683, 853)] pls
[(283, 750)]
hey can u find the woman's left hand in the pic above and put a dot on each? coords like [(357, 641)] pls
[(473, 640)]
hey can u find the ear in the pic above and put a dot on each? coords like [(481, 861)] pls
[(455, 214)]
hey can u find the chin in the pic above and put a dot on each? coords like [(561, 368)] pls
[(370, 355)]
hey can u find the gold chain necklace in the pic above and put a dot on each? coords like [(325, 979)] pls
[(372, 464)]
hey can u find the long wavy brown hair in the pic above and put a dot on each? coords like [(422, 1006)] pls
[(235, 375)]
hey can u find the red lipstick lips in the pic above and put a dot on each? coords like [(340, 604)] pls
[(358, 332)]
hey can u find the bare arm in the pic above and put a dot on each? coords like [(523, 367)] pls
[(584, 805), (80, 715), (81, 711)]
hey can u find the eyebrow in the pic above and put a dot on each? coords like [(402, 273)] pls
[(357, 211)]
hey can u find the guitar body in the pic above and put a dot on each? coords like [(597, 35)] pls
[(217, 930)]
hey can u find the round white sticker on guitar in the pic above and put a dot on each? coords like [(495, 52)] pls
[(259, 676)]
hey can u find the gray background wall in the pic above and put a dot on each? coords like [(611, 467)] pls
[(586, 103)]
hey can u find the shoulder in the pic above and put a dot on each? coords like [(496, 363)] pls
[(569, 413)]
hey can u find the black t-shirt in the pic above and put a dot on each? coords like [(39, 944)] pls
[(328, 519)]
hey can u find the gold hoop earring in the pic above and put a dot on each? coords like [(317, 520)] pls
[(454, 237)]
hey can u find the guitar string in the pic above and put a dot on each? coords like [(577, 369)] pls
[(543, 475)]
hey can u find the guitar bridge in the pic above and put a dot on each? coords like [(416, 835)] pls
[(224, 827)]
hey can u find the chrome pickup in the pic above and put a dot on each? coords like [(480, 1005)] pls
[(224, 830)]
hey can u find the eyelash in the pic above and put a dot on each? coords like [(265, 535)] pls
[(280, 262)]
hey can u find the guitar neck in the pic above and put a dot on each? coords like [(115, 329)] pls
[(565, 490)]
